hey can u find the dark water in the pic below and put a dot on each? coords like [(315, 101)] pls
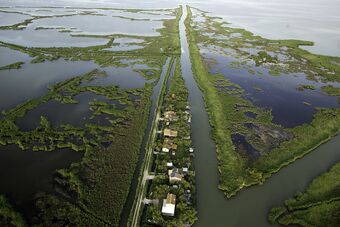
[(31, 81), (278, 93), (8, 56), (246, 148), (123, 77), (58, 113), (250, 207), (24, 173)]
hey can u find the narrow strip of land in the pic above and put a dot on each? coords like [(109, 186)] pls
[(140, 191)]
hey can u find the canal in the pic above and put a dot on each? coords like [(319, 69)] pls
[(250, 207), (154, 104)]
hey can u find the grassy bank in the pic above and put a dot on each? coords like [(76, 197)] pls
[(319, 205), (226, 109)]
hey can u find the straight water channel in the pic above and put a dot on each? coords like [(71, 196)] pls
[(250, 207), (130, 199)]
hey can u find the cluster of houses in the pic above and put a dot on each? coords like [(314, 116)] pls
[(175, 174)]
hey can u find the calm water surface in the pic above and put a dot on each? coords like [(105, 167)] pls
[(31, 81), (12, 18), (251, 206), (8, 56), (278, 93), (313, 20), (24, 173)]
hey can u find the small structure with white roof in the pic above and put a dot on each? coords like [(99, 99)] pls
[(169, 205), (169, 164)]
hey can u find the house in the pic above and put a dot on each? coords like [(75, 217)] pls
[(168, 145), (173, 147), (170, 133), (185, 170), (166, 149), (169, 205), (170, 116), (169, 164), (175, 175)]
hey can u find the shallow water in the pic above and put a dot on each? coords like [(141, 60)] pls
[(47, 38), (24, 173), (312, 20), (154, 15), (278, 93), (43, 11), (12, 18), (77, 114), (8, 56), (123, 77), (103, 25), (31, 81)]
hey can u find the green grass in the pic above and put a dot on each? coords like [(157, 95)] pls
[(306, 87), (225, 108), (330, 90), (16, 65), (8, 216), (319, 205)]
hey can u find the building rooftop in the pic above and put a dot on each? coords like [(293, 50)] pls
[(175, 175), (169, 205), (170, 133)]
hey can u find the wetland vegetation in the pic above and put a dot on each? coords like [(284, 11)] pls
[(317, 206), (93, 191), (251, 149), (269, 103)]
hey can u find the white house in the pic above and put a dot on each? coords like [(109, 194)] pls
[(165, 149), (169, 164), (185, 170), (169, 205)]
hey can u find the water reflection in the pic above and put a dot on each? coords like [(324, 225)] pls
[(11, 18), (24, 173), (31, 80), (290, 107)]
